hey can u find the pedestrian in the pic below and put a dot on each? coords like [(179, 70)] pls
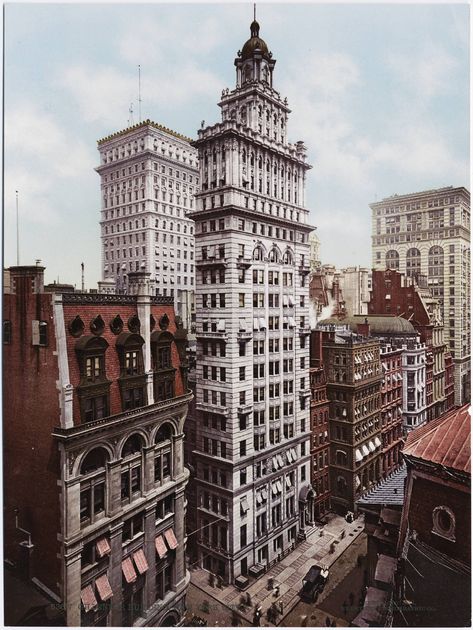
[(281, 607), (345, 608), (334, 625), (327, 621)]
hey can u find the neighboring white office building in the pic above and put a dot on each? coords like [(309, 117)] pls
[(149, 176)]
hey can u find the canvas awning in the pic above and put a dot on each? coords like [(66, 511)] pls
[(87, 596), (140, 561), (160, 546), (170, 538), (103, 547), (128, 570), (103, 587)]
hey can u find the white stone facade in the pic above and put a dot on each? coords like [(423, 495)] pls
[(149, 176), (428, 233), (252, 455), (414, 403)]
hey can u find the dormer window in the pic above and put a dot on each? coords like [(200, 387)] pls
[(132, 379), (443, 520), (94, 388), (164, 371)]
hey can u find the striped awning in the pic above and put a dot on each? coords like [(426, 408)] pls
[(103, 587), (160, 547), (129, 570), (140, 561), (87, 596), (103, 547), (365, 450), (170, 538), (377, 441)]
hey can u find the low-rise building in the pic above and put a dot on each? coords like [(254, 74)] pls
[(96, 398), (434, 542)]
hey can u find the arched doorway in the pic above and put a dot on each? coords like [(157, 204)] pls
[(170, 620)]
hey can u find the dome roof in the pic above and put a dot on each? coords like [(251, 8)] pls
[(254, 43), (379, 324)]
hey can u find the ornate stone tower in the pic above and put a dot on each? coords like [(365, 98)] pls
[(252, 454)]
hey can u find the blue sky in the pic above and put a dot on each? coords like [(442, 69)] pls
[(379, 93)]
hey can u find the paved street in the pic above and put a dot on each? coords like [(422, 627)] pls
[(287, 574), (345, 578)]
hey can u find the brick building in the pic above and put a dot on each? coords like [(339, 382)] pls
[(354, 376), (434, 542), (319, 426), (428, 233), (101, 428), (410, 297)]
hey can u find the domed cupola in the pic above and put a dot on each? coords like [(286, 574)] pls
[(255, 44), (254, 62)]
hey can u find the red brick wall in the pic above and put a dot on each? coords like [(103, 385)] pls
[(30, 412), (403, 301), (427, 495), (88, 312)]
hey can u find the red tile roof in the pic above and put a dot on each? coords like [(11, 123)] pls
[(444, 441)]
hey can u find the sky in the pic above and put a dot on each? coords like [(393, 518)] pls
[(379, 93)]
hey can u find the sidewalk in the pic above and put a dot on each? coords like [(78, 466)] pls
[(287, 574)]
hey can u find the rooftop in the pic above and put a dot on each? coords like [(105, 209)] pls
[(444, 441), (381, 324), (432, 191), (145, 123), (388, 492)]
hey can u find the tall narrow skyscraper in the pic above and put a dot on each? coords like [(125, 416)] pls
[(254, 497)]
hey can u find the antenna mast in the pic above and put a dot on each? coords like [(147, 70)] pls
[(254, 11), (83, 283), (139, 93), (17, 233), (130, 112)]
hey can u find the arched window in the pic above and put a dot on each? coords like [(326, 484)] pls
[(392, 259), (274, 255), (413, 267), (288, 258), (92, 486), (341, 458), (131, 470), (163, 454), (258, 253)]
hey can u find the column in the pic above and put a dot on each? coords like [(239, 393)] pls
[(115, 573), (150, 553), (179, 523), (72, 601), (114, 487), (148, 469), (72, 492)]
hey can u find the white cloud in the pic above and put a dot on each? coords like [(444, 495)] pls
[(40, 155), (426, 74)]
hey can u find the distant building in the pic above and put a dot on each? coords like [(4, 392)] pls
[(314, 252), (95, 395), (149, 175), (428, 233), (319, 426), (393, 293), (354, 376), (398, 333), (434, 545)]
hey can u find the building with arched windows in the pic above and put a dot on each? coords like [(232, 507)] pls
[(428, 234), (252, 451), (94, 450)]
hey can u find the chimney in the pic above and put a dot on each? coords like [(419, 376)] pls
[(316, 348), (27, 279), (140, 283), (364, 329)]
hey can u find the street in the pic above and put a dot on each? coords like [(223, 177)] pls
[(345, 578)]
